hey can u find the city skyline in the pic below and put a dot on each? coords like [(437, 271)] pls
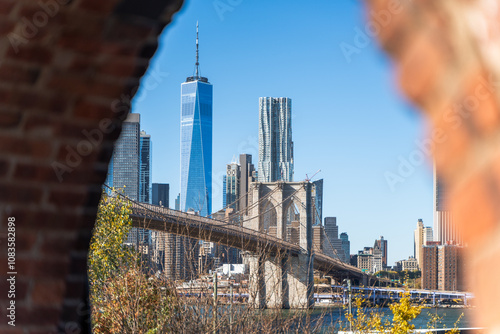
[(353, 139)]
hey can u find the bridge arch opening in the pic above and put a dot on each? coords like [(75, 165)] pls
[(269, 219)]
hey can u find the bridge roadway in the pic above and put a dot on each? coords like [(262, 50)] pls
[(176, 222)]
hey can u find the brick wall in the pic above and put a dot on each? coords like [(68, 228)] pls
[(447, 60), (68, 70)]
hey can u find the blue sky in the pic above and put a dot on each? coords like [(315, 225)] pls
[(349, 119)]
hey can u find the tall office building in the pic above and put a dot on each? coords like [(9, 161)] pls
[(145, 167), (224, 185), (233, 178), (346, 246), (196, 142), (381, 245), (317, 193), (126, 155), (275, 139), (445, 230), (332, 245), (247, 175), (161, 193), (422, 235), (125, 171)]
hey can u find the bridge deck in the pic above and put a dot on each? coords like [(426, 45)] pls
[(180, 223)]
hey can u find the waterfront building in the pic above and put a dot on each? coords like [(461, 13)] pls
[(443, 267), (275, 139)]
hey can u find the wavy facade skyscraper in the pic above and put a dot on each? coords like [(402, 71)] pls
[(196, 143), (275, 139)]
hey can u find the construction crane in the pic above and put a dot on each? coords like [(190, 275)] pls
[(308, 179)]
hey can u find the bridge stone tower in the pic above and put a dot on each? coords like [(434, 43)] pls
[(283, 210)]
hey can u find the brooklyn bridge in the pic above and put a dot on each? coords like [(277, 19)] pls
[(261, 233)]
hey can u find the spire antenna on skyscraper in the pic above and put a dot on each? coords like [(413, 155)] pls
[(197, 52)]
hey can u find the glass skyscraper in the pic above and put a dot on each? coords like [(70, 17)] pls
[(275, 139), (196, 143), (126, 156), (145, 168)]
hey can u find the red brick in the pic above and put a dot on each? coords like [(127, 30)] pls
[(120, 69), (89, 110), (10, 119), (4, 167), (57, 244), (19, 74), (6, 26), (25, 147), (48, 292), (83, 45), (65, 198), (49, 268), (35, 172), (31, 53), (22, 287), (118, 49), (6, 6), (37, 315), (19, 194), (101, 7), (84, 85), (46, 221), (125, 31)]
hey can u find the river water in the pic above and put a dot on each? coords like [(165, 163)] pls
[(331, 318)]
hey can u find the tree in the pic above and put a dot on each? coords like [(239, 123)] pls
[(123, 298), (108, 254)]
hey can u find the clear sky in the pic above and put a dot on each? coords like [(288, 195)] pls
[(349, 119)]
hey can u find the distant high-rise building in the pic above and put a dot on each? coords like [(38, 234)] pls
[(125, 165), (381, 244), (196, 143), (346, 246), (318, 238), (318, 201), (275, 139), (247, 176), (442, 267), (161, 194), (177, 203), (224, 185), (445, 230), (161, 240), (365, 262), (422, 235), (332, 245), (124, 173), (145, 167), (233, 178)]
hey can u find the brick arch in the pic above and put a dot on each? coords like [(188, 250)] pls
[(68, 72)]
